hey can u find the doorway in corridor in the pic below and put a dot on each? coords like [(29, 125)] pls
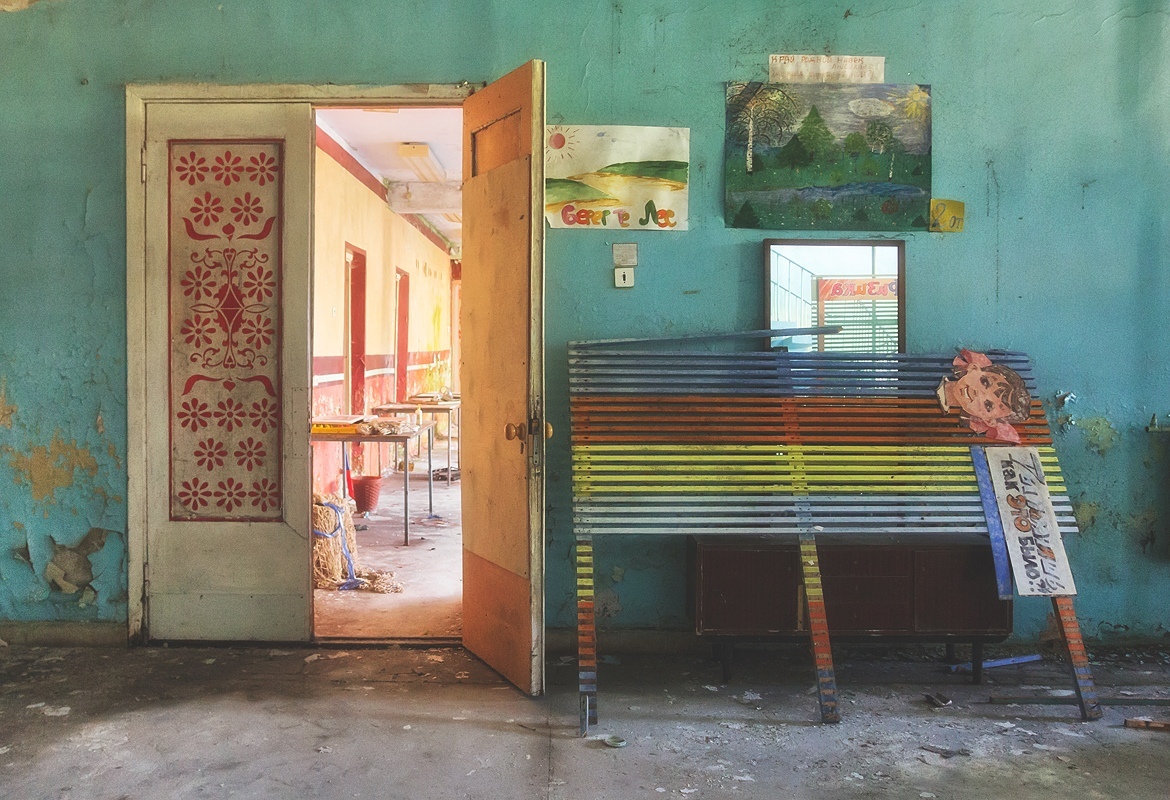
[(387, 201)]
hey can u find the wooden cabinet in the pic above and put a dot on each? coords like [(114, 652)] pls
[(752, 588)]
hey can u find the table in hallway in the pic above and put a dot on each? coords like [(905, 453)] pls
[(452, 408), (403, 439)]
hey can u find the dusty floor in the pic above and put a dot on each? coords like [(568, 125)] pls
[(436, 723), (429, 569)]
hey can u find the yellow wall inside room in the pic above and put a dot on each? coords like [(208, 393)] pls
[(348, 212)]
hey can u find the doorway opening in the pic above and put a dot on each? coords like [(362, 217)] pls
[(387, 247)]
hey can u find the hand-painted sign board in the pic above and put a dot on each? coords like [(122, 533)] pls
[(1029, 522)]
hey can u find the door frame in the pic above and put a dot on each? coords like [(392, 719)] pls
[(138, 98), (356, 328), (401, 335)]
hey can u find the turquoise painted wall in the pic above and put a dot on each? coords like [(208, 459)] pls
[(1050, 122)]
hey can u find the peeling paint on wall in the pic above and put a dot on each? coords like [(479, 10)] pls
[(606, 604), (1086, 514), (16, 5), (69, 570), (47, 469), (7, 412), (1099, 433)]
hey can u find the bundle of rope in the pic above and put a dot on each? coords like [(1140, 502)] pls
[(335, 561)]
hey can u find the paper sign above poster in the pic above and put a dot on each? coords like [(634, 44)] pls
[(826, 69), (616, 176), (1030, 526), (830, 289)]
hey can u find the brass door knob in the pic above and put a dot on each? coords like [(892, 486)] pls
[(548, 430)]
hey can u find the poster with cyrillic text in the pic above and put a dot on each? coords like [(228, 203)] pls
[(1030, 527), (615, 177)]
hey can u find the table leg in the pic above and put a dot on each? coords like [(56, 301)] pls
[(406, 493), (431, 472), (450, 432)]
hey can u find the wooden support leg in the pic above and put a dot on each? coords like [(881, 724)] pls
[(1083, 677), (950, 656), (976, 663), (819, 627), (586, 635)]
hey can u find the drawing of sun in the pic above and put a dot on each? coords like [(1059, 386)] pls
[(560, 141), (916, 103)]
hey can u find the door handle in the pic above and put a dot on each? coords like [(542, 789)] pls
[(548, 430), (516, 432)]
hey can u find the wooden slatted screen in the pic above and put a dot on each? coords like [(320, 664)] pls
[(729, 443)]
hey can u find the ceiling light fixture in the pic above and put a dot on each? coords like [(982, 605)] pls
[(422, 162)]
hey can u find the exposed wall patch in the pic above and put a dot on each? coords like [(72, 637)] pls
[(70, 570), (1086, 514), (47, 469), (1099, 433), (7, 411)]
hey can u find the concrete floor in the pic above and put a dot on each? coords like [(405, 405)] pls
[(430, 605), (253, 722)]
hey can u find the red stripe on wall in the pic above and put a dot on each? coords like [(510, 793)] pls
[(328, 365), (334, 150)]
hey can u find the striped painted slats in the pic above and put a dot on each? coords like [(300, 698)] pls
[(873, 456), (686, 418), (896, 517), (593, 371), (748, 469)]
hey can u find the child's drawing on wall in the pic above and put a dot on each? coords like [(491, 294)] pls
[(989, 397)]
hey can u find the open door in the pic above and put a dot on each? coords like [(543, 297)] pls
[(220, 334), (502, 374)]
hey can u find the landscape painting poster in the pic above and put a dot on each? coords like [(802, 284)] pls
[(616, 176), (833, 157)]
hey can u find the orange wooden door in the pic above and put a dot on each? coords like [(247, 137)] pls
[(502, 375)]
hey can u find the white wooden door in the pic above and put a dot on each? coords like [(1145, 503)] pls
[(502, 374), (227, 221)]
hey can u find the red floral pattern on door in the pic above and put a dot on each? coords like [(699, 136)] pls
[(225, 323)]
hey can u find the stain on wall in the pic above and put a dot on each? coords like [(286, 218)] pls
[(1100, 435), (1143, 526), (7, 411)]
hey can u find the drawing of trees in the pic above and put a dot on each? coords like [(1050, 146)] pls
[(815, 135), (878, 135), (758, 113)]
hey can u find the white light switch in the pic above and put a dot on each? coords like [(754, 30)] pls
[(623, 277)]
